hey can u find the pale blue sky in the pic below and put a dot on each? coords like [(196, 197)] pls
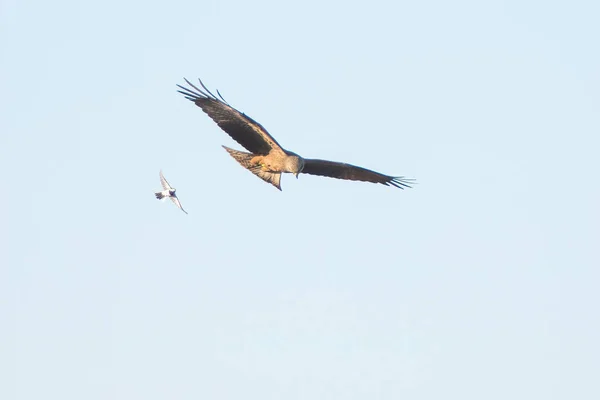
[(479, 283)]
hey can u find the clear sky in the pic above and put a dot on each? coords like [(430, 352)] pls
[(479, 283)]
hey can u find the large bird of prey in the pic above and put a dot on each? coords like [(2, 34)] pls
[(267, 159)]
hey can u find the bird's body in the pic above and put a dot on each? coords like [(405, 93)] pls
[(168, 192), (267, 159), (270, 166), (165, 193)]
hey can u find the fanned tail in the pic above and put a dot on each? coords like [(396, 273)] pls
[(159, 195), (244, 158)]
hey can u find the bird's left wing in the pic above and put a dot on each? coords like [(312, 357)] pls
[(166, 186), (351, 172), (164, 182), (178, 203), (243, 129)]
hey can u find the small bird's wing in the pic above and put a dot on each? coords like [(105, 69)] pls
[(351, 172), (243, 129), (178, 203), (164, 182)]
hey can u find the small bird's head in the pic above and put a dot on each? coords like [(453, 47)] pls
[(172, 192)]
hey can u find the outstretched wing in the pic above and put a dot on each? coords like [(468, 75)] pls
[(352, 172), (177, 203), (239, 126), (164, 182)]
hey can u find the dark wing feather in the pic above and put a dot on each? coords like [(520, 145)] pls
[(239, 126), (351, 172)]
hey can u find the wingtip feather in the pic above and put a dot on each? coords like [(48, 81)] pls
[(401, 182)]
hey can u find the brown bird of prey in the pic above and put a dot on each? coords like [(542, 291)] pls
[(267, 159)]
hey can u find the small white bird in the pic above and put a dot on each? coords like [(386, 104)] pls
[(168, 192)]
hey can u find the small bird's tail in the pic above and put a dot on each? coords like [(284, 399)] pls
[(159, 195)]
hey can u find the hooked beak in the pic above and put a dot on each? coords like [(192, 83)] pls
[(297, 175)]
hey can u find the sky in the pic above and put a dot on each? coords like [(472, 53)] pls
[(479, 282)]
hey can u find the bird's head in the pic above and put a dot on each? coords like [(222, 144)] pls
[(172, 192), (294, 164)]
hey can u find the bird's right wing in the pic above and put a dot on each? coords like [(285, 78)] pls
[(164, 182), (351, 172), (178, 203), (243, 129)]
